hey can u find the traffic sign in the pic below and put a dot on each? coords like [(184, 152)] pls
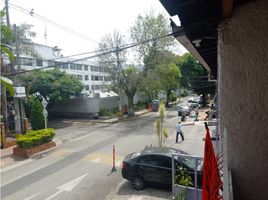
[(45, 113)]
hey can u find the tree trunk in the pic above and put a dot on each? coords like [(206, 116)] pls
[(167, 100), (130, 105)]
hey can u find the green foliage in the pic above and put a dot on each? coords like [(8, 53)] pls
[(120, 115), (35, 138), (173, 97), (194, 76), (36, 117), (124, 78), (183, 180), (6, 82), (147, 27), (108, 112), (55, 84), (140, 106), (6, 38)]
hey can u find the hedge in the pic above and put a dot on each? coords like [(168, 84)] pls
[(35, 138)]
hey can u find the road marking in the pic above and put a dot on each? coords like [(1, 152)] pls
[(26, 174), (20, 163), (62, 153), (132, 197), (31, 197), (67, 187), (103, 158)]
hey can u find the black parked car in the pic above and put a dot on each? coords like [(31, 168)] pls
[(154, 165), (184, 109)]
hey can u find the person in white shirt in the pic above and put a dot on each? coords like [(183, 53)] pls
[(179, 131)]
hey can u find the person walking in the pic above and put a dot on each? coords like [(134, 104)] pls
[(179, 131)]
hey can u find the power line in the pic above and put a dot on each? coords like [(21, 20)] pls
[(33, 14), (116, 49)]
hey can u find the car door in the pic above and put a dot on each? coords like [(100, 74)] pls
[(165, 169), (148, 168)]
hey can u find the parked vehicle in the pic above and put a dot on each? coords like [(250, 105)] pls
[(154, 165), (183, 109)]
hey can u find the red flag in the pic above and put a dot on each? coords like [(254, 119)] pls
[(211, 178)]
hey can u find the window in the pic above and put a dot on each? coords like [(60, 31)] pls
[(164, 161), (79, 67), (87, 87), (95, 87), (73, 66), (148, 160), (94, 68), (51, 63), (85, 67), (80, 77), (26, 61), (86, 77), (101, 78), (65, 65), (57, 64), (39, 62)]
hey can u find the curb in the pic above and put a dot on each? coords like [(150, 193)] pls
[(43, 153)]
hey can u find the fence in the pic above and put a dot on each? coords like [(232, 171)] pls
[(192, 193)]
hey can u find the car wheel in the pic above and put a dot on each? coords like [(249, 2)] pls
[(137, 182)]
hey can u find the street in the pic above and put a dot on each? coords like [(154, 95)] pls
[(80, 168)]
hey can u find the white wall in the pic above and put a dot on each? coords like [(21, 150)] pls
[(243, 93)]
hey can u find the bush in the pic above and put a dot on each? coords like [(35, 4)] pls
[(173, 97), (105, 112), (120, 114), (35, 138), (37, 118)]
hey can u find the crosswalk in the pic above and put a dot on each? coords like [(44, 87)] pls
[(96, 157)]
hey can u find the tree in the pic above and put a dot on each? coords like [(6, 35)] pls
[(36, 116), (195, 77), (168, 74), (54, 84), (151, 27), (124, 78), (24, 36)]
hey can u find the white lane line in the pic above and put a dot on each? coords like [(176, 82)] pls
[(31, 197), (135, 198), (26, 174)]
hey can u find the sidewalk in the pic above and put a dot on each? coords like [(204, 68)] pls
[(9, 160)]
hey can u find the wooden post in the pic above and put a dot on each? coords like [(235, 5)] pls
[(3, 135), (25, 125)]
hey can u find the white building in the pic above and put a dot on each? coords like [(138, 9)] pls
[(93, 77)]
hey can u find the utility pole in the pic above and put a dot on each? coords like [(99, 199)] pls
[(7, 13), (118, 66)]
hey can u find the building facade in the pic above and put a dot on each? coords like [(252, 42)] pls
[(94, 78)]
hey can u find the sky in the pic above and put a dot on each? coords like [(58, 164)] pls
[(87, 20)]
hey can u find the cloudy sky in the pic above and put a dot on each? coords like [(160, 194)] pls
[(87, 20)]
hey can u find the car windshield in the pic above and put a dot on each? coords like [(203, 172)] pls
[(189, 162)]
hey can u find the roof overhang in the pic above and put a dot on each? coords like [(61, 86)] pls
[(199, 22)]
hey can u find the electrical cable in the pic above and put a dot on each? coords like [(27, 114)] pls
[(33, 14), (101, 54)]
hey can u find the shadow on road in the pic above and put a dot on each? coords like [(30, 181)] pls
[(150, 191)]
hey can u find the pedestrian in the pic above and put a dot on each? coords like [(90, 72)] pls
[(179, 131)]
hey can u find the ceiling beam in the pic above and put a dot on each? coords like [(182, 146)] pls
[(227, 8)]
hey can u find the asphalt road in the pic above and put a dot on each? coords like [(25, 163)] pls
[(81, 167)]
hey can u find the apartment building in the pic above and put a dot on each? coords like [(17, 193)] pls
[(95, 79)]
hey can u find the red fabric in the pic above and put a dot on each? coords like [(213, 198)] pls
[(211, 178)]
